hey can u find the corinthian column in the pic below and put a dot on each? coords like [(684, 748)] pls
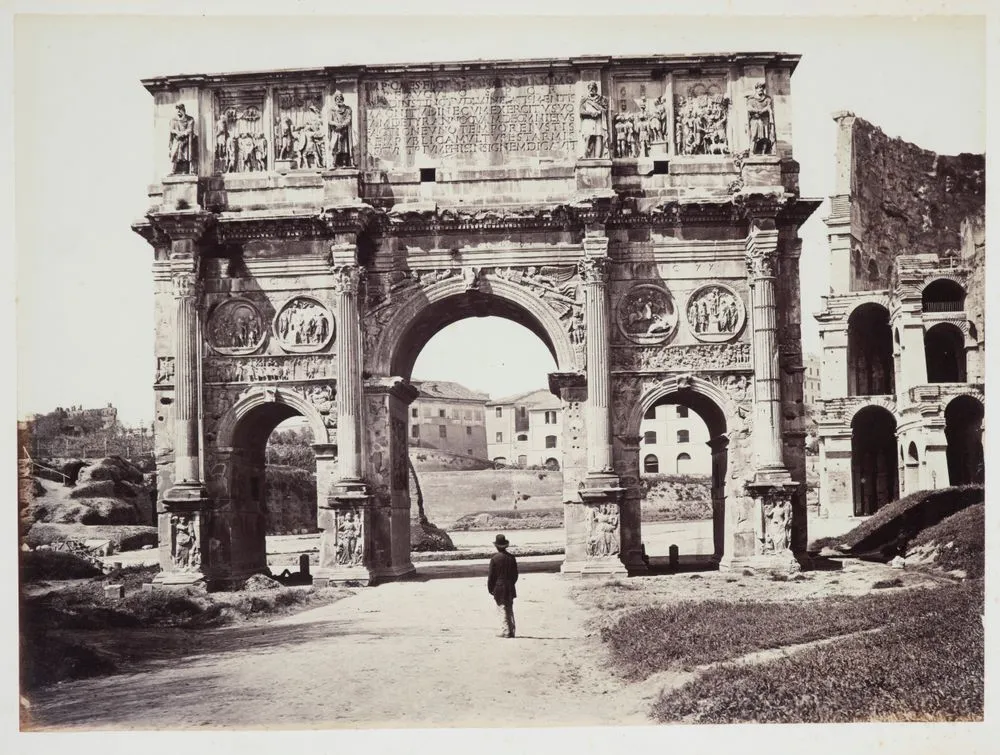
[(184, 273), (761, 259), (349, 387), (594, 270)]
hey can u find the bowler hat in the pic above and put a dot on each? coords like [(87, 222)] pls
[(501, 542)]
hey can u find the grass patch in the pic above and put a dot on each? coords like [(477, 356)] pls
[(690, 633), (926, 666), (960, 540), (522, 519), (898, 522)]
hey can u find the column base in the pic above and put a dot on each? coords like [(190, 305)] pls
[(185, 494), (772, 477), (595, 567), (393, 573), (179, 580), (348, 491), (601, 487), (765, 563)]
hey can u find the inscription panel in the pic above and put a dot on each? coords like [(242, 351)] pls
[(470, 120)]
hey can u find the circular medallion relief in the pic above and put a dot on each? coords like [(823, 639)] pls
[(646, 314), (236, 327), (715, 313), (303, 324)]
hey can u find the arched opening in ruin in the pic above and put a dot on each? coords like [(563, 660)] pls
[(270, 478), (943, 295), (944, 349), (456, 345), (963, 430), (689, 479), (874, 471), (869, 351), (911, 475)]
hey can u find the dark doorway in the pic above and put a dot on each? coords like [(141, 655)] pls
[(944, 349), (869, 352), (963, 430), (874, 471)]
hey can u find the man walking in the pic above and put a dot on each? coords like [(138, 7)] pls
[(500, 583)]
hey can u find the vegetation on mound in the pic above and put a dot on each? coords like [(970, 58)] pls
[(46, 565), (121, 537), (55, 625), (895, 524), (676, 636), (927, 665), (487, 552), (521, 519), (959, 541)]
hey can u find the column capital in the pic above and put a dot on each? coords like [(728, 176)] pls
[(346, 278), (595, 245), (185, 225), (762, 253), (184, 273), (595, 269)]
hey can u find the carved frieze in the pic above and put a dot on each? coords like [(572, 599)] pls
[(266, 369), (715, 313), (303, 324), (702, 114), (299, 132), (235, 327), (717, 356), (647, 315), (603, 537), (240, 140), (556, 285), (164, 371)]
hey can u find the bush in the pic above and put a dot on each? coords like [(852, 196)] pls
[(122, 537), (49, 565)]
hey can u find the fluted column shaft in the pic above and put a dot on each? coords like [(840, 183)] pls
[(349, 386), (761, 257), (594, 270), (184, 273)]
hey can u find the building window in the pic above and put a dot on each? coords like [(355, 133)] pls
[(468, 429), (682, 411), (649, 438), (550, 441), (468, 452), (683, 463), (415, 431), (442, 431), (683, 436), (499, 437), (550, 418), (499, 411), (651, 464), (522, 461), (414, 412), (522, 437), (440, 412)]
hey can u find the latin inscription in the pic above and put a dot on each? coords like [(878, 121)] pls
[(472, 120)]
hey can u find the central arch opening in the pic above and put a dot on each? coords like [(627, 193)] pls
[(485, 434), (683, 457), (874, 471)]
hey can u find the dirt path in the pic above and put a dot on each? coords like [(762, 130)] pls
[(406, 654)]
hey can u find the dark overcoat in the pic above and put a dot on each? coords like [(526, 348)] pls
[(503, 575)]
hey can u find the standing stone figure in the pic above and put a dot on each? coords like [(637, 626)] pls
[(181, 136), (341, 154), (350, 545), (593, 122), (185, 552), (286, 140), (221, 138), (500, 584), (760, 121), (658, 123)]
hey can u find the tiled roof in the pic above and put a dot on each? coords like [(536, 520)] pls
[(445, 390)]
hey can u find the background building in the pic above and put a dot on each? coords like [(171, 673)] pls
[(448, 417), (674, 441), (902, 331), (525, 430), (811, 381)]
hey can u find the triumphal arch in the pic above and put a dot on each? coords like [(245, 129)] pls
[(313, 229)]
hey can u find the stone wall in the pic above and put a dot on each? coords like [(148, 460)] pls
[(974, 256), (906, 200)]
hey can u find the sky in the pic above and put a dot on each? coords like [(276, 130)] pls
[(84, 148)]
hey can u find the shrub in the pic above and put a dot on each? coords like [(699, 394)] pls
[(48, 565)]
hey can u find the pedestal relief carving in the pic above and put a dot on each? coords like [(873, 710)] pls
[(715, 313), (603, 538), (350, 537), (185, 552), (303, 324), (702, 116), (776, 527), (646, 314), (164, 371), (235, 327)]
